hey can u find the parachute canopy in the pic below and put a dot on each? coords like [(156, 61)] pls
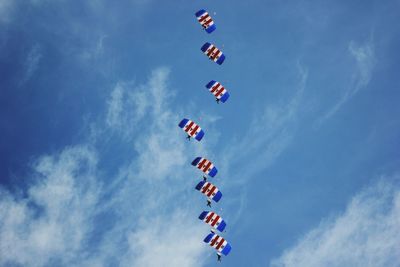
[(209, 190), (218, 91), (213, 53), (205, 165), (205, 20), (219, 243), (213, 219), (192, 129)]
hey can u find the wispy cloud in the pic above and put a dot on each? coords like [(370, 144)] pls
[(364, 56), (95, 49), (174, 246), (365, 61), (271, 133), (140, 216), (366, 234), (31, 63), (55, 217), (72, 215), (150, 234), (268, 136), (114, 117), (130, 103)]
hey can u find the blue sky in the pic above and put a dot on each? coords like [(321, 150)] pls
[(95, 172)]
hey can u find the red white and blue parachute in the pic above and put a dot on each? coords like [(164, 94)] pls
[(205, 165), (192, 129), (218, 91), (205, 20), (209, 190), (213, 219), (213, 53), (219, 243)]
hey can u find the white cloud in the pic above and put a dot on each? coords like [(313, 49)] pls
[(141, 216), (365, 235), (154, 244), (54, 219), (129, 104), (269, 134), (365, 61), (115, 107), (95, 49), (31, 63), (364, 56), (156, 179)]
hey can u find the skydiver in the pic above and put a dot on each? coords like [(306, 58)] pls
[(217, 100), (209, 203), (204, 178), (188, 137), (219, 257)]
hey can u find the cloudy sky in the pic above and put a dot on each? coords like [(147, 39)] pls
[(95, 172)]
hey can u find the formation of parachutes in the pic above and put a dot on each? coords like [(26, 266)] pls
[(193, 130)]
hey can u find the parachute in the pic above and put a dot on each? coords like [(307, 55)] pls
[(219, 243), (192, 129), (213, 53), (206, 21), (209, 190), (213, 219), (205, 165), (218, 91)]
